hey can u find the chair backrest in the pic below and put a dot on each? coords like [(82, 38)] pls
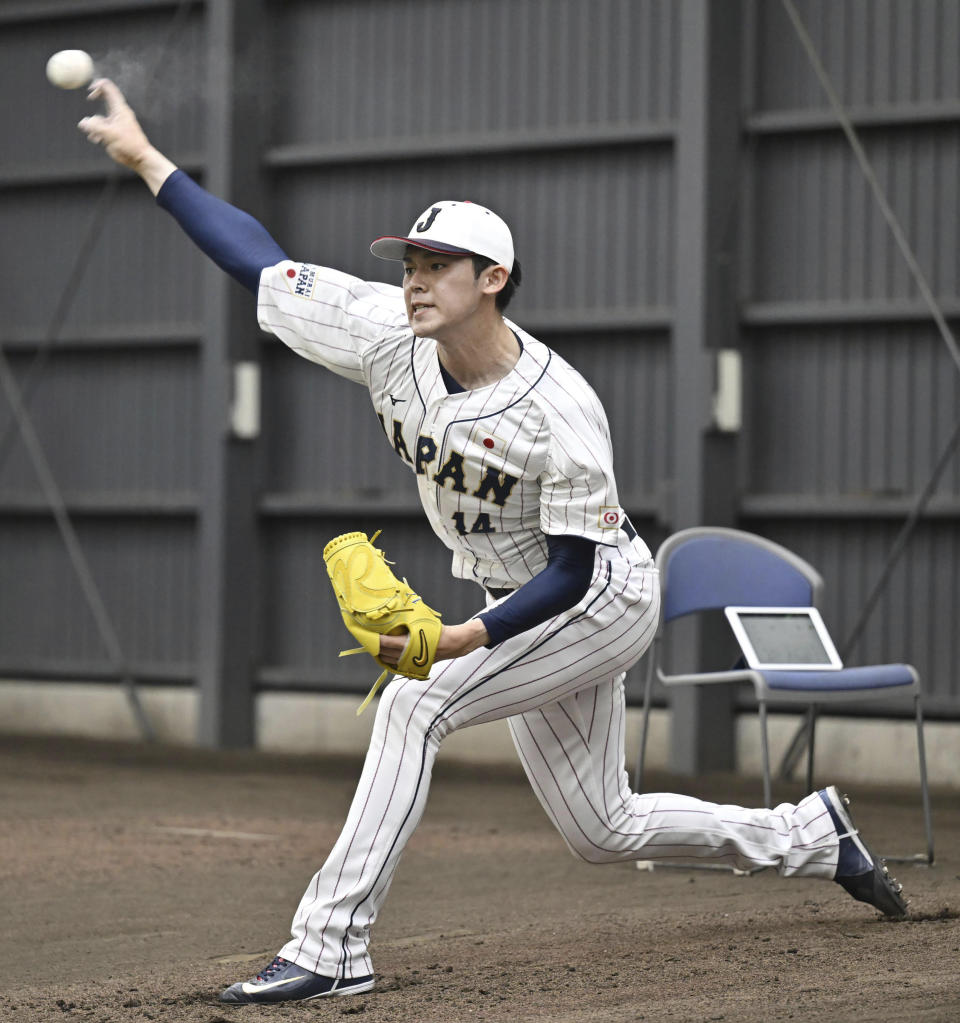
[(711, 567)]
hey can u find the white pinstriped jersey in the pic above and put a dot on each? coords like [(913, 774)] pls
[(497, 467)]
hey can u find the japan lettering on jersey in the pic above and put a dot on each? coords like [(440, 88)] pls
[(497, 467)]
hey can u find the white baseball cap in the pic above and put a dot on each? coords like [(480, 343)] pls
[(463, 228)]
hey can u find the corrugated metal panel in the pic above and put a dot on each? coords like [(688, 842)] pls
[(822, 235), (875, 51), (145, 572), (456, 67), (113, 424), (849, 411), (140, 273), (593, 232), (323, 442)]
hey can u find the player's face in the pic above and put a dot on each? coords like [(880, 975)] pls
[(441, 291)]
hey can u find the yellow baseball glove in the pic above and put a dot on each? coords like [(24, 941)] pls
[(375, 603)]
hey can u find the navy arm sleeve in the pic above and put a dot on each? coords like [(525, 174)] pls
[(561, 585), (234, 240)]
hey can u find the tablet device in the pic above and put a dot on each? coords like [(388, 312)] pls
[(783, 638)]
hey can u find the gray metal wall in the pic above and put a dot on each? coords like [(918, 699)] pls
[(116, 402), (597, 130), (563, 145), (852, 394)]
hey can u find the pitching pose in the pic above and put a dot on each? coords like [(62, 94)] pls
[(511, 455)]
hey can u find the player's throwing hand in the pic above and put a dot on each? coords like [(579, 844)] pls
[(120, 134)]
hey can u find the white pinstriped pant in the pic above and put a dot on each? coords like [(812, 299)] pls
[(561, 686)]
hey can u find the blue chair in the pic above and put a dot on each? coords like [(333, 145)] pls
[(709, 568)]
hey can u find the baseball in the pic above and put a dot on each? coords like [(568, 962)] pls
[(70, 69)]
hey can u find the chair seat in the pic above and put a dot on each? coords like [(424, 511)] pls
[(879, 676)]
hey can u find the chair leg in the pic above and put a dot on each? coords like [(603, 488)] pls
[(811, 733), (765, 756), (925, 794), (924, 789), (645, 722)]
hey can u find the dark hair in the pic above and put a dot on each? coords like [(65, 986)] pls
[(506, 293)]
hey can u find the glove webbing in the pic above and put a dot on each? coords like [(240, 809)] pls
[(362, 650)]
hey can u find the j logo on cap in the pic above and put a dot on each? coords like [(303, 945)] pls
[(424, 225)]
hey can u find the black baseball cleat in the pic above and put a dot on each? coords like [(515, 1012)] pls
[(283, 981), (861, 873)]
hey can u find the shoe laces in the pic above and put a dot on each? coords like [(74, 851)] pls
[(275, 967)]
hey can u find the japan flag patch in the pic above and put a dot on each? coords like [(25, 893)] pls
[(300, 278), (610, 517), (489, 442)]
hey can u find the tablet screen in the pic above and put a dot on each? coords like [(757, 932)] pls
[(784, 638)]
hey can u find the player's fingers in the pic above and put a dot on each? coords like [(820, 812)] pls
[(103, 88), (90, 126), (392, 647), (95, 88)]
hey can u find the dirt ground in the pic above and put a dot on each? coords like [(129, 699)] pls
[(136, 882)]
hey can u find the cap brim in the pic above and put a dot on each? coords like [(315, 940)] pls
[(393, 247)]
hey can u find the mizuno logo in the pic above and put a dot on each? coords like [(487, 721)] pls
[(395, 401), (421, 659), (252, 989)]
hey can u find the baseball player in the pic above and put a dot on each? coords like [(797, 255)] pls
[(510, 451)]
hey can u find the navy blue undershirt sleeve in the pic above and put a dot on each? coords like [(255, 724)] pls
[(560, 586), (234, 240)]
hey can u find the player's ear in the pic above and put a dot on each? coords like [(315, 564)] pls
[(493, 279)]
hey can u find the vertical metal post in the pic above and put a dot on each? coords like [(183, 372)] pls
[(229, 613), (765, 755), (705, 319)]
